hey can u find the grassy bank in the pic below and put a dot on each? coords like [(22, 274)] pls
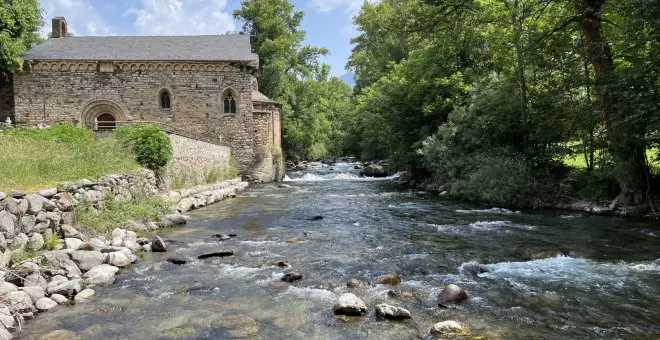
[(32, 159), (119, 214)]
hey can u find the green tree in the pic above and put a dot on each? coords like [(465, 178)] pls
[(20, 21)]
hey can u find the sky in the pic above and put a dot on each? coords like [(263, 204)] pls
[(328, 22)]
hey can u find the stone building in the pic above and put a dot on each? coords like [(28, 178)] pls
[(197, 86)]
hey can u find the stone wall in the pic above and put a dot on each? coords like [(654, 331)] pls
[(194, 160), (6, 102), (73, 92)]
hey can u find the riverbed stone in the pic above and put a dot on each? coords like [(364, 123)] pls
[(97, 243), (349, 304), (390, 279), (60, 299), (45, 304), (60, 334), (6, 287), (21, 302), (7, 223), (86, 260), (118, 259), (174, 219), (35, 203), (451, 294), (35, 292), (27, 223), (239, 326), (158, 245), (20, 241), (69, 231), (35, 280), (101, 275), (84, 295), (6, 319), (292, 277), (446, 327), (385, 311), (64, 287), (355, 283), (72, 243), (64, 261), (36, 242)]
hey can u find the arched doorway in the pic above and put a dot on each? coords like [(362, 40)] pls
[(106, 121), (103, 115)]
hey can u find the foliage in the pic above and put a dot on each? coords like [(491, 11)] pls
[(150, 144), (51, 241), (32, 159), (313, 103), (189, 177), (119, 213), (20, 21)]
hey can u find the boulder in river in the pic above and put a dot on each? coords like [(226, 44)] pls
[(177, 261), (223, 237), (158, 245), (451, 294), (385, 311), (282, 264), (374, 170), (217, 254), (293, 240), (446, 327), (355, 283), (349, 304), (316, 218), (292, 277), (84, 295), (390, 279), (45, 304)]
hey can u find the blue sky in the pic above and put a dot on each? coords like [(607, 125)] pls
[(328, 22)]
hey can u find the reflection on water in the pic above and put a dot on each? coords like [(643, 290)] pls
[(529, 274)]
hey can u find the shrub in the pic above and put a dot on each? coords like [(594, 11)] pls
[(150, 144)]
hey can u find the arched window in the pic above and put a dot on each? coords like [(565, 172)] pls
[(229, 103), (165, 100)]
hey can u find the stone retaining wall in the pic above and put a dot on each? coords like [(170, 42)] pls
[(68, 271), (194, 160)]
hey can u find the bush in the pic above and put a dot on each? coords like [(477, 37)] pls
[(149, 142)]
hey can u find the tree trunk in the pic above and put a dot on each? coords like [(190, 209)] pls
[(626, 136)]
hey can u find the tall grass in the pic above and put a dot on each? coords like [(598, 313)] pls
[(119, 214), (32, 159), (189, 176)]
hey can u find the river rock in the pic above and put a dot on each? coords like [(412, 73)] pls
[(20, 241), (388, 280), (355, 283), (6, 318), (45, 304), (7, 224), (374, 170), (472, 268), (72, 243), (35, 203), (84, 295), (60, 285), (158, 245), (177, 261), (97, 243), (34, 292), (292, 277), (217, 254), (239, 326), (60, 335), (6, 287), (48, 193), (451, 294), (35, 280), (349, 304), (119, 259), (60, 299), (64, 261), (385, 311), (19, 273), (101, 275), (69, 231), (446, 327), (21, 302), (282, 264), (87, 260), (174, 219), (27, 223), (3, 246), (64, 201)]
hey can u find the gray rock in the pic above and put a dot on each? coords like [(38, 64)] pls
[(22, 207), (355, 283), (60, 299), (158, 245), (6, 319), (35, 293), (292, 277), (86, 260), (6, 287), (10, 205), (349, 304), (45, 304), (21, 302), (84, 296), (20, 241), (390, 279), (3, 247), (19, 273), (27, 223), (35, 203), (35, 279), (64, 261), (101, 275), (392, 313), (97, 243), (185, 204), (48, 193), (2, 195), (49, 205), (64, 201), (42, 216), (68, 217), (451, 294), (36, 242), (69, 231), (446, 327), (72, 243), (64, 286), (94, 196), (119, 259), (7, 224)]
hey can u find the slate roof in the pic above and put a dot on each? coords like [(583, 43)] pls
[(138, 48), (260, 97)]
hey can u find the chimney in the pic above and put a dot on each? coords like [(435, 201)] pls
[(59, 28)]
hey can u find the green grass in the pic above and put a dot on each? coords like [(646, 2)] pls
[(33, 159), (186, 178), (577, 160), (118, 214)]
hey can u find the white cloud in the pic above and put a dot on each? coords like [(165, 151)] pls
[(351, 6), (182, 17), (81, 16)]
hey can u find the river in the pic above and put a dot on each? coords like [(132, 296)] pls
[(546, 274)]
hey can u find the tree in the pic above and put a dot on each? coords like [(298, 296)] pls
[(20, 21)]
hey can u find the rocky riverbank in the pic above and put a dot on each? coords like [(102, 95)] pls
[(46, 261)]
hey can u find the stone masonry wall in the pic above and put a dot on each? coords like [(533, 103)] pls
[(193, 160), (131, 92)]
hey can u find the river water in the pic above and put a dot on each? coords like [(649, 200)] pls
[(547, 275)]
